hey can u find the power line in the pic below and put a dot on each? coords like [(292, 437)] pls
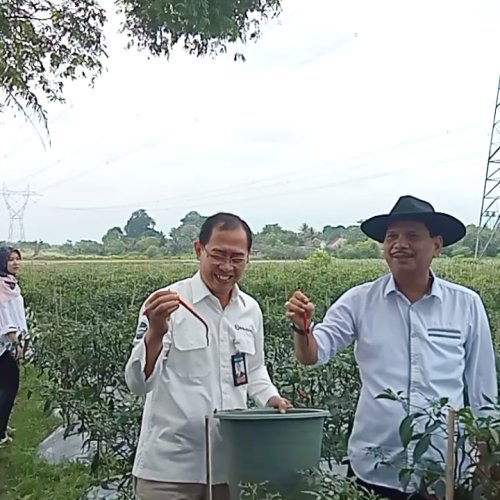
[(318, 187), (332, 48), (46, 167), (18, 146), (279, 191), (304, 173), (100, 166)]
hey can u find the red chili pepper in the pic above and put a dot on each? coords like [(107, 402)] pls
[(306, 329), (302, 394), (196, 315)]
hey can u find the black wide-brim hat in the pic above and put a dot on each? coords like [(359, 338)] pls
[(412, 209)]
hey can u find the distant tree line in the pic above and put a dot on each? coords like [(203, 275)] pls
[(140, 238)]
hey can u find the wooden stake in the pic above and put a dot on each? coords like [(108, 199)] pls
[(450, 462), (208, 457)]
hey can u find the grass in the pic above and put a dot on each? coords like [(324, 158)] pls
[(23, 476)]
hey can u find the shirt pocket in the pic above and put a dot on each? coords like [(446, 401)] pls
[(245, 342), (190, 363), (447, 350), (444, 333), (189, 355)]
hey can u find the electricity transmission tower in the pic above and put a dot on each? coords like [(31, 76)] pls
[(16, 203), (489, 219)]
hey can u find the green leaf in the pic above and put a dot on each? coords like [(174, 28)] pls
[(421, 448), (477, 493), (95, 462), (387, 395), (404, 477), (439, 488), (494, 435), (406, 430), (47, 407), (431, 428)]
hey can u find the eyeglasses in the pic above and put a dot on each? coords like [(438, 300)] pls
[(219, 259)]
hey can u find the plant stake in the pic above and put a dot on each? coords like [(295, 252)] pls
[(450, 462)]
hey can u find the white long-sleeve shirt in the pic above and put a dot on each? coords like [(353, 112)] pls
[(427, 350), (12, 320), (191, 380)]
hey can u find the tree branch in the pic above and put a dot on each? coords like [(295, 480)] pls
[(38, 110)]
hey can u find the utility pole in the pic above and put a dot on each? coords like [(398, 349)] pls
[(16, 203), (489, 219)]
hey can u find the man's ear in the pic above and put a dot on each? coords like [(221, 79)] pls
[(198, 248), (438, 245)]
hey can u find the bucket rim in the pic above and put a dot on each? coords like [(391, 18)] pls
[(271, 414)]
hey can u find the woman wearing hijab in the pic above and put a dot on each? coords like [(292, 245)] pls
[(13, 333)]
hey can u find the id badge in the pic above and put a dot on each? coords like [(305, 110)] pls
[(239, 366)]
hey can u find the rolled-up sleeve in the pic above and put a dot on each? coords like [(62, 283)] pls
[(338, 328), (260, 387), (480, 368), (134, 369)]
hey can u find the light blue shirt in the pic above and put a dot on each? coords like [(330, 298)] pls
[(427, 350)]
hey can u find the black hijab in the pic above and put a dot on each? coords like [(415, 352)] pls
[(5, 253)]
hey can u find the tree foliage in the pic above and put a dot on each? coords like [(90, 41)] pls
[(184, 235), (203, 26), (140, 237), (113, 234), (43, 43), (140, 224)]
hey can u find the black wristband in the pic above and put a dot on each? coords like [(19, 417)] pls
[(298, 330)]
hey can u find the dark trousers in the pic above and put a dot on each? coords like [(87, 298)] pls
[(9, 386), (386, 493)]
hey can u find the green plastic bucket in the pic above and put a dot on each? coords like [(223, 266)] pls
[(263, 445)]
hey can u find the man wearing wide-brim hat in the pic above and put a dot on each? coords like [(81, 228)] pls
[(414, 332)]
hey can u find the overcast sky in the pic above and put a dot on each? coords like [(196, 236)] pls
[(340, 108)]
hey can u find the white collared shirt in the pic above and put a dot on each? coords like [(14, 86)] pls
[(426, 350), (191, 380), (12, 320)]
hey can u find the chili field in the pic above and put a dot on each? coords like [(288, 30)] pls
[(83, 316)]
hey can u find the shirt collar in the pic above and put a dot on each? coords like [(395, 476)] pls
[(201, 291), (436, 290)]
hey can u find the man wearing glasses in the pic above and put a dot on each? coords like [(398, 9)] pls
[(198, 349)]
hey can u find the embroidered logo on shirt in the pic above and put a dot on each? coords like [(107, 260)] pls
[(244, 328), (141, 329)]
